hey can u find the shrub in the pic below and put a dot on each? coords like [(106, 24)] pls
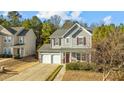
[(81, 66), (1, 55), (5, 56), (17, 57)]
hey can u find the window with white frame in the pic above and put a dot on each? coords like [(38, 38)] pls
[(81, 40), (78, 56), (83, 57), (56, 41), (67, 40), (7, 39), (21, 40), (7, 51)]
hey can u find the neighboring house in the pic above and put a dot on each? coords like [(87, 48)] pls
[(67, 45), (17, 41)]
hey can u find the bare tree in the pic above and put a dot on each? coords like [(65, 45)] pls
[(55, 20), (108, 56)]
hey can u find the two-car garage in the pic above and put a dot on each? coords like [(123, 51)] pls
[(50, 58)]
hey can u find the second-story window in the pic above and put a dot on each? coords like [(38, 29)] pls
[(67, 40), (7, 39), (57, 41), (21, 40), (81, 41)]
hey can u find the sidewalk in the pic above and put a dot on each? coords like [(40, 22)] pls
[(60, 75), (6, 59)]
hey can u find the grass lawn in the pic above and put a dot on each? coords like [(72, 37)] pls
[(72, 75)]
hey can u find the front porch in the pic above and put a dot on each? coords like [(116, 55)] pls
[(18, 52), (76, 57)]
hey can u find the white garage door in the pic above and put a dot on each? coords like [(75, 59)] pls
[(46, 59), (56, 59)]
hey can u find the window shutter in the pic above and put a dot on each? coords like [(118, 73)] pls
[(54, 41), (77, 41), (60, 41), (84, 40)]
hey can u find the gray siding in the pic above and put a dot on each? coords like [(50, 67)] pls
[(73, 40)]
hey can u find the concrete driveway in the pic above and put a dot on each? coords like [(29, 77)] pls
[(4, 59), (39, 72)]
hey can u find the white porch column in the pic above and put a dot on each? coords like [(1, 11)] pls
[(61, 57), (12, 51), (70, 56), (90, 57), (20, 52)]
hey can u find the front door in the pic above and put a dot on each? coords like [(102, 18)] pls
[(21, 52), (18, 52), (67, 57)]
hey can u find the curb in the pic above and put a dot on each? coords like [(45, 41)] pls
[(60, 75), (54, 74)]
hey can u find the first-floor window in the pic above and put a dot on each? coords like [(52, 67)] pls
[(7, 51), (83, 57), (78, 56)]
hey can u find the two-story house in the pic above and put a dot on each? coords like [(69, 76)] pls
[(67, 45), (17, 41)]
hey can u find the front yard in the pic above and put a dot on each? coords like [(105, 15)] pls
[(73, 75), (15, 66), (81, 71)]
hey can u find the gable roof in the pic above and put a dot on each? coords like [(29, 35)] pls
[(23, 33), (1, 27), (58, 33), (12, 31), (20, 31), (62, 31), (3, 34)]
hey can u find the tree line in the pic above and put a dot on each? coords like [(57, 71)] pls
[(43, 29)]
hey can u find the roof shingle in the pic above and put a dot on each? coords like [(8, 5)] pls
[(60, 32), (46, 48)]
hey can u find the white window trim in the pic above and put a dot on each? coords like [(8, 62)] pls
[(7, 38), (80, 37), (7, 50), (68, 40), (21, 40)]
